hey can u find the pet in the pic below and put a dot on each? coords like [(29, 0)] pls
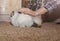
[(24, 20)]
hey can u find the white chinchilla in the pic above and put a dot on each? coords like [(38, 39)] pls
[(24, 20), (14, 16)]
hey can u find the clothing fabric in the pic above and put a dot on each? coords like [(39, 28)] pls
[(49, 5)]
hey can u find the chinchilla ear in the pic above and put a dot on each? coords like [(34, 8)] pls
[(12, 14)]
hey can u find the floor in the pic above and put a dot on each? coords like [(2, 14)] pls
[(48, 32)]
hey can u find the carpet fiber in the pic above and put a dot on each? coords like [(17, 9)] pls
[(48, 32)]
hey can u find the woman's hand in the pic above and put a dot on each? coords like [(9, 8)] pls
[(26, 11), (23, 10)]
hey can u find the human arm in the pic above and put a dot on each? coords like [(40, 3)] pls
[(47, 7), (40, 11)]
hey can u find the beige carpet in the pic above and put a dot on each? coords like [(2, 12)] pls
[(48, 32)]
